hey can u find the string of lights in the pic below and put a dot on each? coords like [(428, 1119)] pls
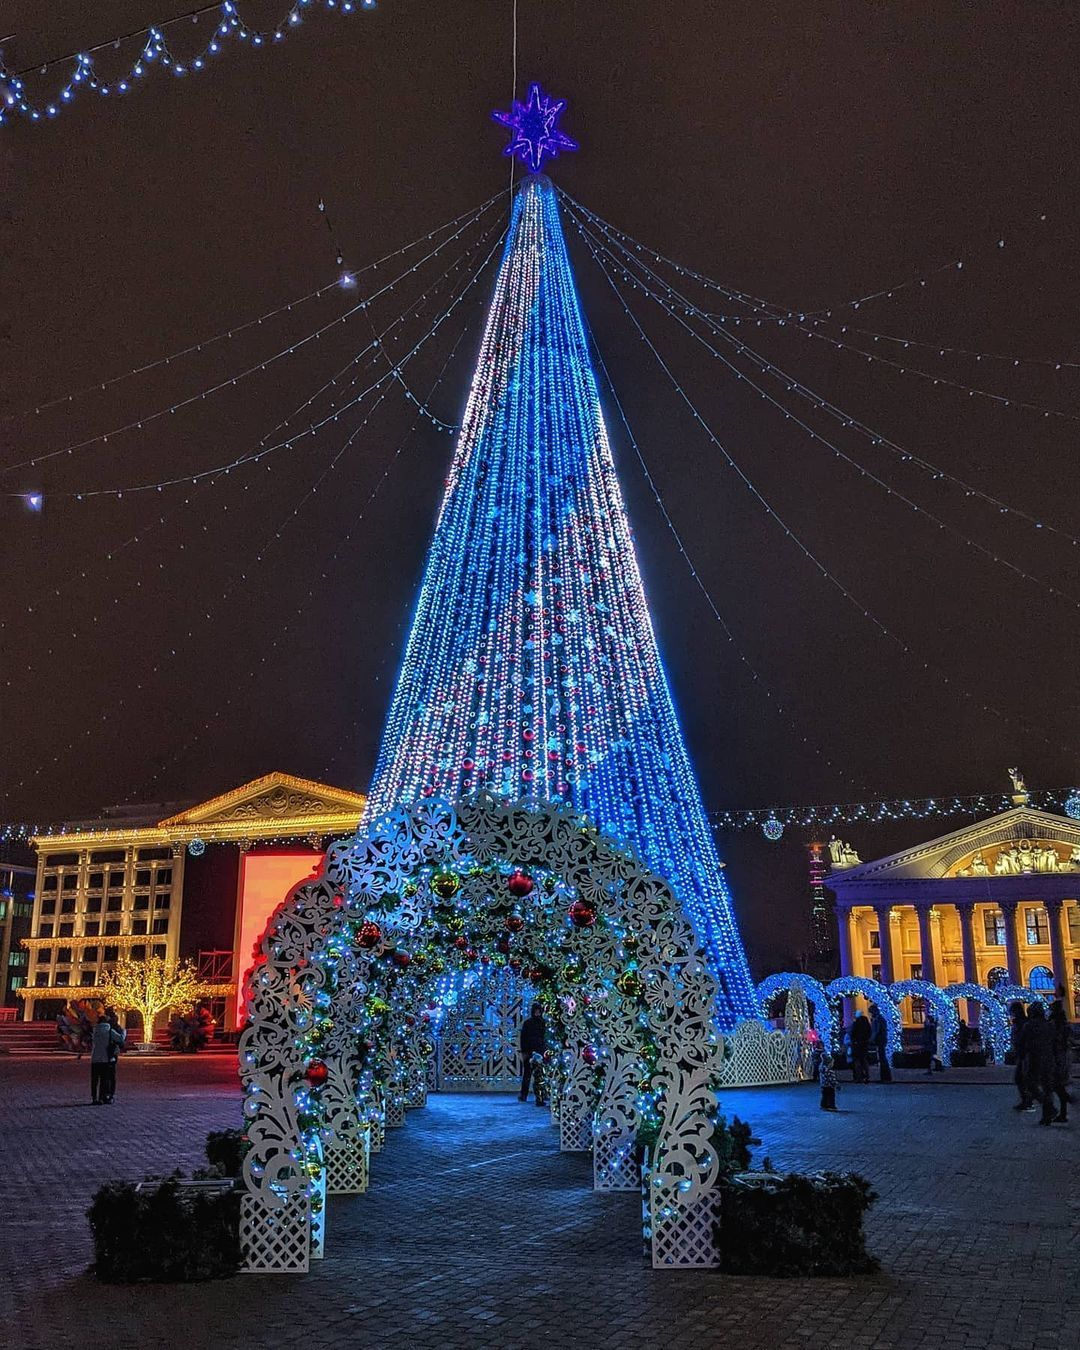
[(846, 419), (755, 676), (282, 629), (879, 811), (154, 527), (264, 450), (889, 488), (943, 350), (229, 381), (229, 27), (778, 311), (347, 281), (942, 381), (386, 385), (827, 575)]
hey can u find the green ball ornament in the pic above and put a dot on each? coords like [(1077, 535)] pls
[(629, 984), (445, 884)]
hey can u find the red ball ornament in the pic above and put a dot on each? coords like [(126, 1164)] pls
[(316, 1073), (588, 1054), (519, 884), (461, 943), (370, 935), (582, 914), (514, 923), (502, 944), (515, 965), (402, 959)]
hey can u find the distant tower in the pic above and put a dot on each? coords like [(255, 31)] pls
[(531, 668), (821, 928)]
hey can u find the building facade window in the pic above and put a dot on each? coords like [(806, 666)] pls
[(1042, 977), (875, 973), (994, 927), (1072, 917), (1036, 926), (997, 975), (875, 941)]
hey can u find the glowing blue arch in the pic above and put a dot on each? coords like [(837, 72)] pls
[(824, 1017), (943, 1005), (876, 993), (994, 1026), (1021, 993)]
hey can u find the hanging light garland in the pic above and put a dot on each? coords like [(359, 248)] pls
[(827, 575), (773, 821), (155, 54), (889, 488)]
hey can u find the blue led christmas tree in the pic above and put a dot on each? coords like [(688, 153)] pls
[(531, 668)]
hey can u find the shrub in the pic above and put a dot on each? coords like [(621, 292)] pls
[(225, 1150), (164, 1231), (771, 1224)]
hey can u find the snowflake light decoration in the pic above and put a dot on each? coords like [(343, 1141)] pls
[(1072, 804), (536, 136)]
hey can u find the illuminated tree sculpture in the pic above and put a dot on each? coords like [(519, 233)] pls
[(150, 987), (531, 668)]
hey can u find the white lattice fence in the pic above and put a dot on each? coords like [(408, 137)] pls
[(615, 1163), (275, 1241), (754, 1056), (683, 1235)]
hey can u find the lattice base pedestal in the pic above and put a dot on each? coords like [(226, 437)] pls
[(347, 1169), (615, 1163), (275, 1241), (395, 1113), (575, 1132), (683, 1236)]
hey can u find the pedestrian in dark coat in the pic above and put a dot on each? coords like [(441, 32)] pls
[(929, 1042), (533, 1046), (1038, 1050), (860, 1049), (1018, 1023), (1062, 1046), (879, 1039), (105, 1041)]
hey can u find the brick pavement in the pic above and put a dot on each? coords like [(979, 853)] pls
[(478, 1232)]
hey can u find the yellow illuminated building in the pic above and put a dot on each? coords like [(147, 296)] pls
[(995, 902), (185, 885)]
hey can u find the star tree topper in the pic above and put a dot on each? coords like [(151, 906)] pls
[(536, 136)]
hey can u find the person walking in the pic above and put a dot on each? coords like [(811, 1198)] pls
[(1039, 1059), (105, 1041), (879, 1039), (119, 1038), (1018, 1025), (860, 1049), (533, 1046), (929, 1042)]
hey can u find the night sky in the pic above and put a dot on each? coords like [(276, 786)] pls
[(806, 153)]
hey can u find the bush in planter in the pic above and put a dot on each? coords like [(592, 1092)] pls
[(164, 1231), (225, 1150), (773, 1224)]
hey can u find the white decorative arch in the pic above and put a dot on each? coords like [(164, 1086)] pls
[(326, 1059), (845, 986), (939, 1000)]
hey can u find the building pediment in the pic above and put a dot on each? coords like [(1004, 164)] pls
[(276, 797), (1019, 842)]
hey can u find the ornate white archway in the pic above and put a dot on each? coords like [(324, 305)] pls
[(335, 1051)]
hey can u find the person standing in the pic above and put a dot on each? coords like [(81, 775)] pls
[(929, 1043), (879, 1039), (105, 1041), (533, 1046), (1018, 1025), (1062, 1036), (119, 1037), (860, 1049), (827, 1075), (1039, 1060)]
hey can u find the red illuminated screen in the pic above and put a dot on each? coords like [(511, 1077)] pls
[(265, 881)]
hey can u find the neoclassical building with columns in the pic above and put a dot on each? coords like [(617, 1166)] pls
[(994, 902)]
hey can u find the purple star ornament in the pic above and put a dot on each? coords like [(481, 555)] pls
[(536, 136)]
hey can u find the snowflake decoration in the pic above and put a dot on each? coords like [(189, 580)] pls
[(536, 136), (1072, 805), (772, 829)]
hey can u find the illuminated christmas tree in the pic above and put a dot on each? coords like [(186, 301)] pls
[(531, 668)]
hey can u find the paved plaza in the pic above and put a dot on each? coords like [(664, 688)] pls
[(478, 1232)]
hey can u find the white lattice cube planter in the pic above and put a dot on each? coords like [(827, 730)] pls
[(615, 1162), (575, 1132), (275, 1241), (395, 1113), (683, 1236), (347, 1165)]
